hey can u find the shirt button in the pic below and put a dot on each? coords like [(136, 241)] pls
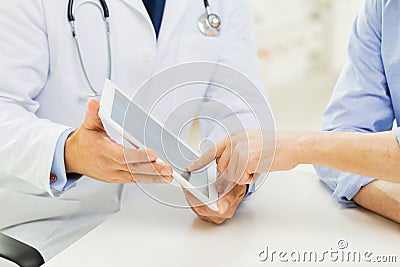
[(148, 56), (53, 178)]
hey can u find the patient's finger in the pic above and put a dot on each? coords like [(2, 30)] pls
[(209, 156), (224, 187), (224, 158)]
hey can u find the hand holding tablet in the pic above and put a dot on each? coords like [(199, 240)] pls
[(141, 130)]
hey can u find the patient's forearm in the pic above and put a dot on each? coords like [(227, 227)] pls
[(382, 198), (375, 155)]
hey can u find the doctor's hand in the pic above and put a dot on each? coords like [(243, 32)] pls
[(227, 204), (245, 154), (90, 151)]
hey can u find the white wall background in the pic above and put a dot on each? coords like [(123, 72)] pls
[(299, 36), (302, 47)]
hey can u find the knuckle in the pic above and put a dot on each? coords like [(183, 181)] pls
[(242, 146), (133, 168), (238, 149), (119, 157), (130, 178)]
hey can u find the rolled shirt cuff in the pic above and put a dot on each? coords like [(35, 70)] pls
[(345, 186)]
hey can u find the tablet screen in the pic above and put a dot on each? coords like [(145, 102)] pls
[(152, 135)]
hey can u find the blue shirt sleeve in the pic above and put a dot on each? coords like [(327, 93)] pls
[(344, 185), (251, 189), (63, 181), (361, 101)]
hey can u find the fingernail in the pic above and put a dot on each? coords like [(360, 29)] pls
[(166, 172), (224, 207)]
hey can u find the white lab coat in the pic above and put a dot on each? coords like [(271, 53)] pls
[(40, 96)]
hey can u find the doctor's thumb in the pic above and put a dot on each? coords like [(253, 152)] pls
[(92, 120)]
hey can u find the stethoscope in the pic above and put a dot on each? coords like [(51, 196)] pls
[(209, 24)]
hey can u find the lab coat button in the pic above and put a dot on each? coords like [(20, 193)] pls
[(148, 56)]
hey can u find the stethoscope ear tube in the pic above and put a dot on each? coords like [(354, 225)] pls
[(101, 4), (71, 18), (70, 11), (105, 9)]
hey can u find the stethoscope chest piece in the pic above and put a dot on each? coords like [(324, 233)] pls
[(209, 25)]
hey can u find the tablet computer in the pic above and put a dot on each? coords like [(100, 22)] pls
[(143, 131)]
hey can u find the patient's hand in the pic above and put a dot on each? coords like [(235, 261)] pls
[(382, 198), (227, 205)]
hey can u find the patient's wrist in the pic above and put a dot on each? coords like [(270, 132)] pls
[(305, 147)]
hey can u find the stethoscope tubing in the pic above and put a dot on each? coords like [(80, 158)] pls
[(210, 30), (71, 18), (71, 15)]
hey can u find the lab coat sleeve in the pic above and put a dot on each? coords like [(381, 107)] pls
[(240, 53), (27, 143), (360, 101)]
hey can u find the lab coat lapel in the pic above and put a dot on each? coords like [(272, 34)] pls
[(139, 7), (174, 10)]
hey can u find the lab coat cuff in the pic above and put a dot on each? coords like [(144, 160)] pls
[(63, 181)]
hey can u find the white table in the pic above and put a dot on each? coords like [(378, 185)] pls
[(292, 211)]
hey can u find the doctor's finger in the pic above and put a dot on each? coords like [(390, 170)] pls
[(209, 156), (149, 179), (155, 168), (124, 177), (139, 155)]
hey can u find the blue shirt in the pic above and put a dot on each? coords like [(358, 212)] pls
[(62, 182), (367, 95)]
